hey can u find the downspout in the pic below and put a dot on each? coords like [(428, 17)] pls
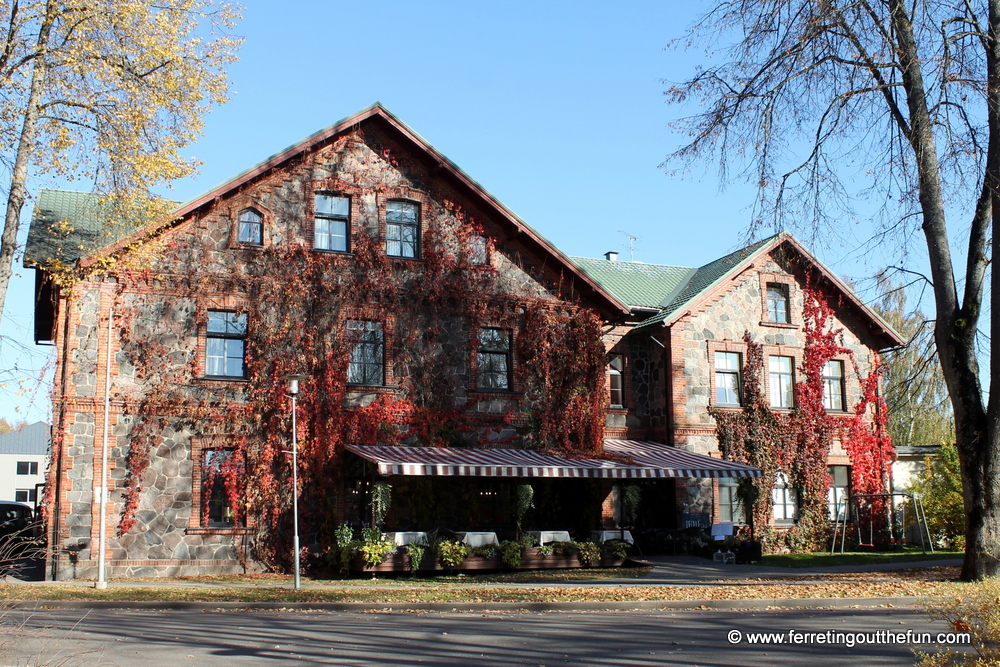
[(103, 490), (59, 421)]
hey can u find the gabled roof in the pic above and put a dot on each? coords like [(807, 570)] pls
[(675, 290), (31, 440), (511, 225), (637, 284)]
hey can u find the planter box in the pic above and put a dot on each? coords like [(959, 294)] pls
[(397, 562)]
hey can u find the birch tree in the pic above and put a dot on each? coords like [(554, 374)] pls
[(107, 93), (817, 101)]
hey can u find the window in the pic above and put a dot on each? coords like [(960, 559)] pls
[(25, 495), (367, 365), (730, 507), (27, 467), (476, 250), (833, 385), (777, 303), (219, 475), (616, 384), (402, 229), (332, 222), (785, 501), (227, 332), (251, 227), (840, 483), (782, 382), (727, 378), (494, 359)]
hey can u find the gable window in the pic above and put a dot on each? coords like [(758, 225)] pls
[(616, 383), (781, 378), (494, 359), (833, 385), (730, 506), (840, 482), (27, 467), (402, 229), (727, 378), (777, 303), (251, 227), (476, 250), (219, 475), (367, 364), (332, 223), (225, 342), (786, 504)]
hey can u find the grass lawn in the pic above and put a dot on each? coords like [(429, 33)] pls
[(823, 559)]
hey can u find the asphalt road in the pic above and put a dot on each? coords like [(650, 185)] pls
[(130, 638)]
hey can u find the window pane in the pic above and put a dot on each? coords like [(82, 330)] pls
[(321, 233), (401, 211), (781, 382), (338, 235), (333, 206), (224, 322)]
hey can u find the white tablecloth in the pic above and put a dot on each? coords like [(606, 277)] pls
[(478, 539), (546, 536), (400, 539), (605, 535)]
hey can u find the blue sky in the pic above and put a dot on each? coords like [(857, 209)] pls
[(555, 107)]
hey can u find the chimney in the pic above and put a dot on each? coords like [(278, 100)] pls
[(611, 256)]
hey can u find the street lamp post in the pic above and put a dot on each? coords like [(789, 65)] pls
[(293, 392)]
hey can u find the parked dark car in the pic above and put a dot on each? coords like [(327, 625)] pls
[(18, 528)]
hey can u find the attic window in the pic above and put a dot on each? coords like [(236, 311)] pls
[(777, 303), (251, 227), (402, 229), (332, 223)]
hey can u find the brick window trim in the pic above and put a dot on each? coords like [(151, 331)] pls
[(516, 386), (232, 216), (725, 346), (388, 350), (794, 316), (199, 445), (226, 302)]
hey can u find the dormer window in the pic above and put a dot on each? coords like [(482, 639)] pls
[(251, 227)]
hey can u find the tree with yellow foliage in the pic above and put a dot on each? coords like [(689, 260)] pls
[(107, 92)]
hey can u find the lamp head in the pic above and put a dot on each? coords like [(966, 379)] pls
[(293, 382)]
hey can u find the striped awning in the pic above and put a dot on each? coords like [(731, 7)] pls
[(651, 460)]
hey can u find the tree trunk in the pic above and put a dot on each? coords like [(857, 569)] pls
[(25, 147)]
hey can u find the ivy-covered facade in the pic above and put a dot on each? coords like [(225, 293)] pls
[(421, 311)]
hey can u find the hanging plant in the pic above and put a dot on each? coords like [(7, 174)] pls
[(524, 500), (381, 500)]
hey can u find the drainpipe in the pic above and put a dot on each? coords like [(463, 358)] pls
[(103, 489)]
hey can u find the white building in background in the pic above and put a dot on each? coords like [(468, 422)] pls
[(24, 456)]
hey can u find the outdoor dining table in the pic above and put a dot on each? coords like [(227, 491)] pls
[(546, 536), (604, 535), (478, 539), (401, 539)]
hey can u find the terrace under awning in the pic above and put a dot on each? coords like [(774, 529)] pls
[(650, 460)]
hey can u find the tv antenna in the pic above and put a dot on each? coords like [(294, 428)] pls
[(631, 244)]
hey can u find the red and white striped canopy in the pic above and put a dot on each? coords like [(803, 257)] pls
[(651, 460)]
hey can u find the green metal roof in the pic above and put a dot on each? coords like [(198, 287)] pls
[(669, 288), (634, 283), (66, 226)]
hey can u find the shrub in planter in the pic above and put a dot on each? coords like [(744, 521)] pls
[(452, 553), (511, 553), (564, 548), (375, 552), (589, 553), (415, 555), (485, 551), (616, 549)]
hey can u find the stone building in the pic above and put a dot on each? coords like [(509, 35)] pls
[(445, 342)]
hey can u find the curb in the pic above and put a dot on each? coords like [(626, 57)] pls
[(444, 607)]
